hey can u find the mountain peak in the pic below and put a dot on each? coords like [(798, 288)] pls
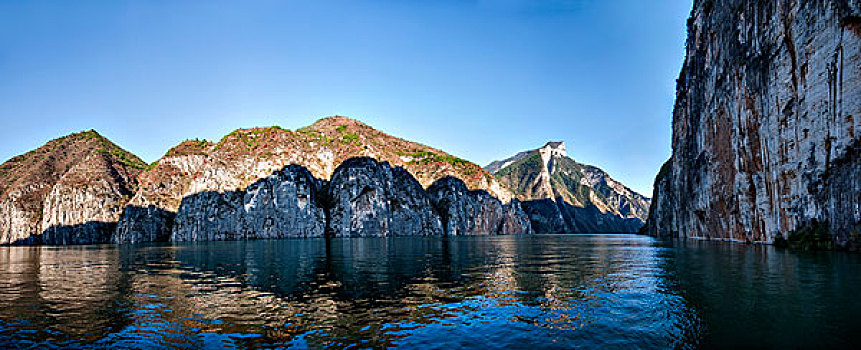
[(551, 148), (554, 148), (548, 174), (337, 120)]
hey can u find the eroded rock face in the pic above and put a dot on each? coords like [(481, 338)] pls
[(144, 224), (767, 104), (514, 219), (84, 205), (254, 183), (372, 199), (839, 192), (69, 191), (150, 214), (244, 156), (564, 196), (545, 216), (549, 216), (283, 205), (465, 212)]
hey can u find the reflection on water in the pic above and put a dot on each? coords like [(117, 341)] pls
[(486, 292)]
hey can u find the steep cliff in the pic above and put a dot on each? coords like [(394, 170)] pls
[(562, 195), (373, 199), (253, 184), (766, 123), (149, 215), (247, 155), (285, 204), (466, 212), (69, 191)]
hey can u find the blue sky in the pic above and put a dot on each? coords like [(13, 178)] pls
[(481, 79)]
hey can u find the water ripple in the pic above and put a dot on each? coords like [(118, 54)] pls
[(602, 291)]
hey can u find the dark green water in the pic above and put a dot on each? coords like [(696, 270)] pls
[(589, 291)]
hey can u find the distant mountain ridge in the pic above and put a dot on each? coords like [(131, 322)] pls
[(562, 195), (253, 183)]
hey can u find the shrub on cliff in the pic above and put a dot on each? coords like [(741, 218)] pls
[(814, 235)]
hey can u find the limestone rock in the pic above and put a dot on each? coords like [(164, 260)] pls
[(245, 156), (767, 110), (282, 205), (140, 224), (69, 191), (466, 212), (373, 199), (515, 220), (149, 215)]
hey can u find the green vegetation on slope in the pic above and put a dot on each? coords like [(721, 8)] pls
[(814, 235)]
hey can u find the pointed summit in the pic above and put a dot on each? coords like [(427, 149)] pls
[(555, 148), (585, 198), (551, 148)]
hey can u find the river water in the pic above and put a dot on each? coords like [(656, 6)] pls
[(544, 291)]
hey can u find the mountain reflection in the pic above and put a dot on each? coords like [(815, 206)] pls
[(418, 292)]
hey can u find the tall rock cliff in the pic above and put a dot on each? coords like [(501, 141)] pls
[(247, 155), (69, 191), (561, 195), (254, 184), (373, 199), (476, 212), (766, 123), (285, 204)]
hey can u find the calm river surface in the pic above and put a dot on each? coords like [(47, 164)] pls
[(583, 291)]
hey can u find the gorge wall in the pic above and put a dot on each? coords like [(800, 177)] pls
[(337, 178), (766, 123)]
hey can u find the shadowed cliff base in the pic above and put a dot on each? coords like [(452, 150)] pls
[(559, 216), (365, 198), (93, 232)]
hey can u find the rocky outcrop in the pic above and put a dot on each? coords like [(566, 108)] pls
[(144, 224), (247, 155), (563, 196), (69, 191), (839, 192), (549, 216), (373, 199), (466, 212), (149, 215), (283, 205), (84, 205), (253, 184), (514, 219), (766, 116)]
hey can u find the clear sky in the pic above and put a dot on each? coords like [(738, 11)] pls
[(481, 79)]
